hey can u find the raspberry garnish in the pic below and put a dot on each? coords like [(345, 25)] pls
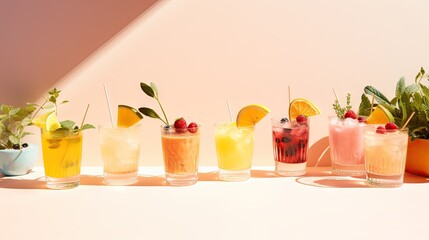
[(301, 119), (381, 130), (391, 126), (350, 114), (180, 125), (361, 119), (192, 127)]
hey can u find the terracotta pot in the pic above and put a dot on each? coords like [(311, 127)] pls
[(418, 157)]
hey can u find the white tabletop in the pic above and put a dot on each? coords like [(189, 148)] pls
[(315, 206)]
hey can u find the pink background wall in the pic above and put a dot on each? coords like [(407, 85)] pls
[(201, 53)]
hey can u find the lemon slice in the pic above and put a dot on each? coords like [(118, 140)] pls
[(250, 115), (40, 121), (302, 106), (380, 115), (128, 116), (52, 122)]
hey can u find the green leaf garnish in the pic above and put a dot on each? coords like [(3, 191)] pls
[(150, 113), (52, 102), (341, 111), (147, 89), (152, 91), (68, 124), (86, 126), (154, 88)]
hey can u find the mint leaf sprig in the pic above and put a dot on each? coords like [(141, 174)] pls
[(52, 102), (341, 111), (71, 125), (152, 91)]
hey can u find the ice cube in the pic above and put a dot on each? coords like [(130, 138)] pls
[(350, 122), (334, 121)]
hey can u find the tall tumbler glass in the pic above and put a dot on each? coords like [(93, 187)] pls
[(62, 155)]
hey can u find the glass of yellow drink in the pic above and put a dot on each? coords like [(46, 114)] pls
[(181, 152), (120, 150), (234, 147), (62, 154)]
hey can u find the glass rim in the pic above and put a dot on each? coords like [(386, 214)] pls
[(109, 126), (78, 133), (335, 116), (374, 126), (172, 126), (277, 119), (229, 124)]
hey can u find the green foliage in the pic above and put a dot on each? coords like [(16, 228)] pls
[(365, 106), (152, 91), (71, 126), (52, 102), (408, 99), (341, 111), (13, 121)]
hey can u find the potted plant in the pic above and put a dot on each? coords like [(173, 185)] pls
[(16, 157), (410, 100)]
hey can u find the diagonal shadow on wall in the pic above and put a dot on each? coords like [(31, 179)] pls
[(41, 41)]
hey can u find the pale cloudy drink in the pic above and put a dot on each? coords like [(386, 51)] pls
[(385, 153)]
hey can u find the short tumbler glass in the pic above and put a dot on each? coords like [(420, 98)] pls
[(234, 147), (290, 144), (385, 155), (120, 150), (346, 146), (180, 148)]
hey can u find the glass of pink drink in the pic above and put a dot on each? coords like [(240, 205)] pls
[(290, 144), (346, 146)]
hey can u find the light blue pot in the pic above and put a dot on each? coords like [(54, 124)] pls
[(18, 162)]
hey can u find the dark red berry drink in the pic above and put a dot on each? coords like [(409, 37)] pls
[(290, 144)]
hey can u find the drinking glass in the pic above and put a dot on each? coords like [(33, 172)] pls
[(181, 152), (62, 155), (120, 150), (385, 156), (290, 144), (234, 147), (346, 146)]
